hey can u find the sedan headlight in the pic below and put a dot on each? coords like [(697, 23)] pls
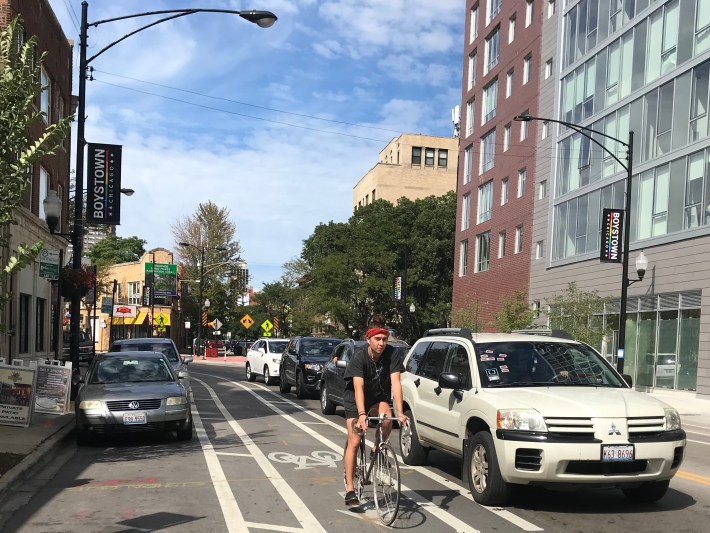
[(90, 404), (672, 419), (176, 400), (521, 420), (312, 366)]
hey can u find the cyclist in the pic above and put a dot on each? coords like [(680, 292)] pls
[(371, 379)]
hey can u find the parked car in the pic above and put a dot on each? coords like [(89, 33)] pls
[(86, 346), (535, 410), (132, 391), (332, 381), (154, 344), (302, 361), (240, 347), (264, 359)]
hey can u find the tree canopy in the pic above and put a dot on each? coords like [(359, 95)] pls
[(112, 250)]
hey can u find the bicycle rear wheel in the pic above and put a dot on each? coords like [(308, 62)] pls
[(386, 484)]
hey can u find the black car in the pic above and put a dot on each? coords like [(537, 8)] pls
[(302, 363), (332, 382)]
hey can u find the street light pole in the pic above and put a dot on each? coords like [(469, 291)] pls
[(200, 349), (582, 130), (263, 19)]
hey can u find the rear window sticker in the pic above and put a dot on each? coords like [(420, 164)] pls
[(504, 368), (492, 374), (501, 359), (502, 355), (489, 351), (486, 358)]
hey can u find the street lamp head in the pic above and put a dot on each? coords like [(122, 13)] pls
[(207, 303), (412, 308), (127, 192), (524, 117), (641, 265), (52, 209), (263, 19)]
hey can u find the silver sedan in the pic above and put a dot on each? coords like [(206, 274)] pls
[(132, 391)]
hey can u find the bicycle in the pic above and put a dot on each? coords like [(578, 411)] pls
[(382, 472)]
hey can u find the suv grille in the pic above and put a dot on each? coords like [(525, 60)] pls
[(577, 429), (122, 405)]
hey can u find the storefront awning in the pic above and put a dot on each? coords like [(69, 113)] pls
[(137, 321)]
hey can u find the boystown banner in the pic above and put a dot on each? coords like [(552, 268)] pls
[(103, 184), (612, 231)]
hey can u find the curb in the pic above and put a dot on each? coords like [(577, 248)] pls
[(35, 456)]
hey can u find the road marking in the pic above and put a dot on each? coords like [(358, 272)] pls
[(234, 454), (698, 442), (688, 476), (438, 512), (304, 516)]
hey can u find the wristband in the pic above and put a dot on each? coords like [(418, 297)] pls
[(363, 413)]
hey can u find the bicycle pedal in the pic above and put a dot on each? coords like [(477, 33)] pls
[(367, 482)]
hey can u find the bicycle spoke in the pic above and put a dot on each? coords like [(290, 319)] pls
[(386, 484)]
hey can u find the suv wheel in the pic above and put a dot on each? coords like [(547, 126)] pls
[(648, 492), (327, 406), (482, 470), (267, 376), (413, 453), (284, 385), (300, 386), (250, 375)]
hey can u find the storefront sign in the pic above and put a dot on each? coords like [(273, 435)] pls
[(16, 395), (52, 388), (612, 230)]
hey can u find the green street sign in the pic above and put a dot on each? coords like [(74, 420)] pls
[(165, 279), (49, 264)]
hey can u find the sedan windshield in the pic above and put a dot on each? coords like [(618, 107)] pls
[(131, 370), (525, 364), (160, 347)]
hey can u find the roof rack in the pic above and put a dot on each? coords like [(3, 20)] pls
[(458, 332), (560, 333)]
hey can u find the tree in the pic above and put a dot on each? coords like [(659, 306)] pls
[(579, 313), (468, 316), (113, 250), (515, 313), (19, 89)]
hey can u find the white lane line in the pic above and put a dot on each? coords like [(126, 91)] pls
[(502, 513), (698, 442), (304, 516), (230, 510), (691, 432), (234, 454), (448, 519)]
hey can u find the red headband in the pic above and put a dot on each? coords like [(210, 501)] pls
[(376, 331)]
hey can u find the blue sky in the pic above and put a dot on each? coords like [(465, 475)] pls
[(276, 124)]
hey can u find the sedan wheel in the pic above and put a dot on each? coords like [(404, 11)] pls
[(327, 406), (267, 376), (250, 375)]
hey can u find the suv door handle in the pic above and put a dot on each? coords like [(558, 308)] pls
[(417, 382)]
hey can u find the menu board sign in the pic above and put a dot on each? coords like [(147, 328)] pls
[(52, 389), (16, 395)]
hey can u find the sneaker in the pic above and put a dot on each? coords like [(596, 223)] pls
[(351, 498)]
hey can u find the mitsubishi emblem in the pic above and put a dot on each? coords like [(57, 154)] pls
[(613, 430), (135, 405)]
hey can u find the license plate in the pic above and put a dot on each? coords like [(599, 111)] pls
[(617, 453), (130, 419)]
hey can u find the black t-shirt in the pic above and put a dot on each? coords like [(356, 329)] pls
[(376, 374)]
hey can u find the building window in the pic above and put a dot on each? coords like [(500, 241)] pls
[(702, 28), (539, 249), (511, 29), (485, 201), (527, 65), (663, 27), (542, 190), (373, 195), (506, 137), (367, 199), (43, 189), (443, 162), (488, 147), (46, 96), (509, 83), (550, 8), (465, 211), (501, 245), (416, 155), (429, 157), (694, 191), (524, 127), (134, 292), (529, 13), (518, 239), (23, 331), (699, 99), (548, 68), (522, 182), (470, 117), (467, 164), (471, 70), (492, 50), (473, 25), (483, 251), (490, 101), (493, 10), (40, 321), (545, 129), (463, 257), (504, 191)]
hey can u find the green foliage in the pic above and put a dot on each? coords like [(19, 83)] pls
[(469, 316), (577, 311), (19, 91), (112, 250), (515, 313)]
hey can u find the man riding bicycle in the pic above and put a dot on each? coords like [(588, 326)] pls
[(372, 377)]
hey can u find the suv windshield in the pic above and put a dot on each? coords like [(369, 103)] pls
[(318, 348), (516, 364), (160, 347), (277, 346)]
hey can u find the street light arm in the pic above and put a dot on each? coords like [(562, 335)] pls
[(582, 131)]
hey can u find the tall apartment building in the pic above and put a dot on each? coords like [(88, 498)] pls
[(33, 314), (496, 177), (411, 165)]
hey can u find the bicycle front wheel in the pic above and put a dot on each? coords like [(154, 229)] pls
[(386, 484)]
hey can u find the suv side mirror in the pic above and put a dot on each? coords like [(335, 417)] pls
[(341, 364), (449, 380), (187, 359)]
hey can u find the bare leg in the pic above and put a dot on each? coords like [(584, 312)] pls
[(350, 456)]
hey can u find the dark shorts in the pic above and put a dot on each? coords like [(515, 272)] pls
[(370, 401)]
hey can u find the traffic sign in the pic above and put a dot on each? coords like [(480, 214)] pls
[(247, 321), (267, 326), (216, 324)]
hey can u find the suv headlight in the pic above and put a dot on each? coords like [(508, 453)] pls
[(672, 419), (176, 400), (312, 366), (276, 360), (90, 404), (520, 420)]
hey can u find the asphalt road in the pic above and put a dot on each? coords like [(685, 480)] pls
[(264, 461)]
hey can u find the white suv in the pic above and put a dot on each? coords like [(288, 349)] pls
[(263, 359), (535, 409)]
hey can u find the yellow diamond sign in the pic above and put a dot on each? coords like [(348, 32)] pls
[(267, 326), (247, 321)]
